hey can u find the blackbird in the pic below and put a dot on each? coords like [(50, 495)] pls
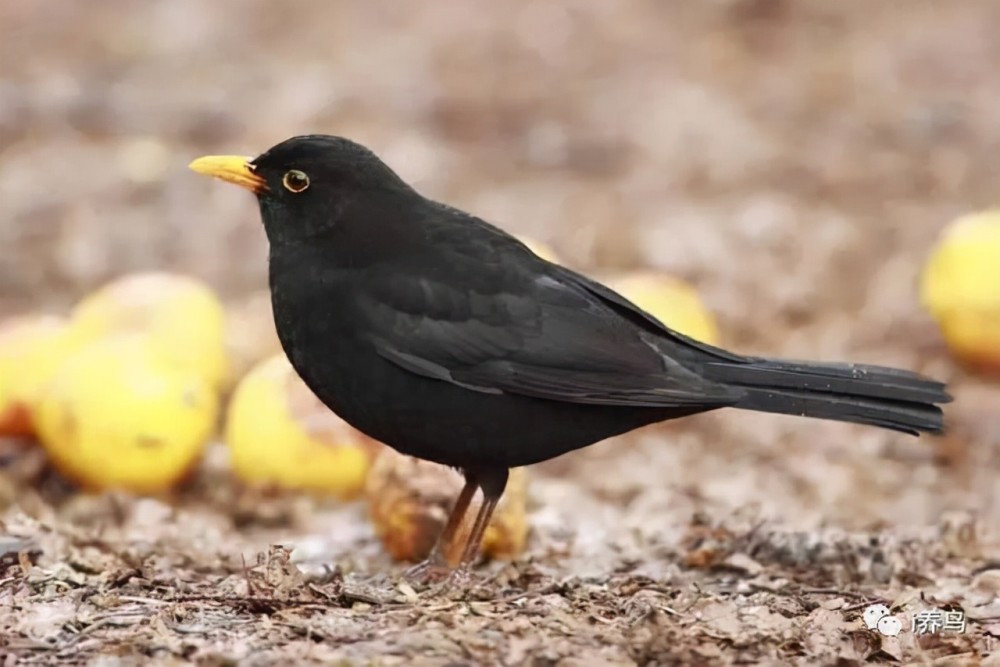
[(446, 338)]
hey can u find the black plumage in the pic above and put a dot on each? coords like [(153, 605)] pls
[(447, 339)]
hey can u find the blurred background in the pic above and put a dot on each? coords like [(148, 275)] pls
[(794, 162)]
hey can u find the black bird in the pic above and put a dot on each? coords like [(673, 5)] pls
[(444, 337)]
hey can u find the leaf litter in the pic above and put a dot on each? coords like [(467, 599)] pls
[(801, 206)]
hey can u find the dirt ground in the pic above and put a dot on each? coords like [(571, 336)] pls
[(795, 160)]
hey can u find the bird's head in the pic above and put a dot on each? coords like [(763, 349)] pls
[(304, 183)]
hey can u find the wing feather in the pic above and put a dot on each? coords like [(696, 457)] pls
[(539, 337)]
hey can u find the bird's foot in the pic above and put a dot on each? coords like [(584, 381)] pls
[(440, 578), (458, 581), (432, 570)]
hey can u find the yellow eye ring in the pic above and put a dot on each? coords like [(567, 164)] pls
[(295, 181)]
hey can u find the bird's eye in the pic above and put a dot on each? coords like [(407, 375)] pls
[(295, 181)]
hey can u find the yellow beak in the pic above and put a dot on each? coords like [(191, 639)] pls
[(232, 168)]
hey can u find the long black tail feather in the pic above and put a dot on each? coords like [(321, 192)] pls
[(873, 395)]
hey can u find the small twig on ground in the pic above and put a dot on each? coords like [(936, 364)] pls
[(865, 603), (143, 600), (833, 591), (346, 595), (116, 621)]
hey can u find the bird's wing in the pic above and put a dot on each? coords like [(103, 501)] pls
[(526, 330)]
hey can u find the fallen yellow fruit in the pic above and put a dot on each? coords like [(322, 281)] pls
[(181, 315), (281, 436), (670, 300), (116, 415), (32, 348), (960, 287), (409, 501), (250, 336), (541, 249)]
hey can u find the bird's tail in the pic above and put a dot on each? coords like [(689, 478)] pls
[(873, 395)]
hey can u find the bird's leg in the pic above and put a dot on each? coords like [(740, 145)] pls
[(436, 563), (492, 483)]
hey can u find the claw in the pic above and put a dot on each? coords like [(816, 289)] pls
[(456, 581), (429, 571), (459, 579)]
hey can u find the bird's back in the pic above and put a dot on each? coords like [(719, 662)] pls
[(385, 337)]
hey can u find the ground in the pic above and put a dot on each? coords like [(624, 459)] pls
[(794, 160)]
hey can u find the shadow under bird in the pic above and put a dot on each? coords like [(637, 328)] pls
[(444, 337)]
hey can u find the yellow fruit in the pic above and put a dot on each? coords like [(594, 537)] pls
[(960, 287), (281, 436), (250, 336), (409, 501), (182, 316), (670, 300), (116, 415), (32, 348), (542, 250)]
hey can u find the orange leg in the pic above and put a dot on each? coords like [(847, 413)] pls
[(493, 484), (475, 540), (436, 564)]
